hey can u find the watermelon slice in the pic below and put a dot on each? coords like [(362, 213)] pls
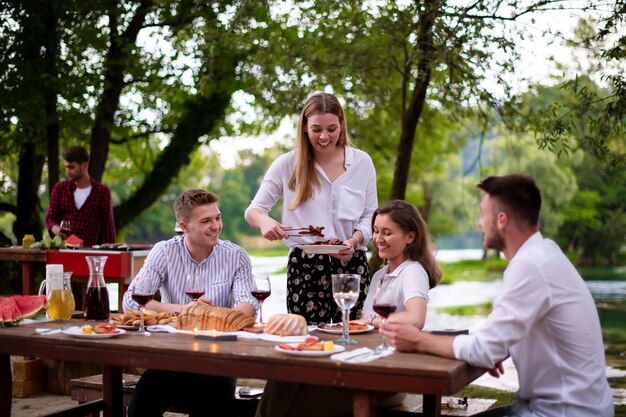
[(74, 242), (9, 312), (18, 307), (30, 305)]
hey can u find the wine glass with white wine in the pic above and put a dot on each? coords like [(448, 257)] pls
[(346, 292)]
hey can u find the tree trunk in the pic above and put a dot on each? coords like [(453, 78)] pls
[(51, 41), (28, 206), (120, 50), (411, 115)]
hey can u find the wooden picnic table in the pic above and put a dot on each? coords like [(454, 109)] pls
[(400, 372)]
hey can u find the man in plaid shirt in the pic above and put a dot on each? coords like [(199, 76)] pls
[(81, 200)]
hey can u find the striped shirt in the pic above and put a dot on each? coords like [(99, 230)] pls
[(227, 271)]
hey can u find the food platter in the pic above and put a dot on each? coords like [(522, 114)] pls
[(322, 249), (338, 348), (78, 332), (340, 330)]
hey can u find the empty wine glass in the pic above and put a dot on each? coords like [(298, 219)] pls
[(384, 305), (194, 286), (261, 292), (346, 293), (142, 299)]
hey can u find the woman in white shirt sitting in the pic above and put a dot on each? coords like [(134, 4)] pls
[(404, 242)]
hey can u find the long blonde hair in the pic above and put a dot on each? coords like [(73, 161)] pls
[(304, 179)]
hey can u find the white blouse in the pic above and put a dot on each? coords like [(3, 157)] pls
[(407, 281), (341, 207)]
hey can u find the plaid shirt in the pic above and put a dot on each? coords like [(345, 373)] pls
[(96, 212)]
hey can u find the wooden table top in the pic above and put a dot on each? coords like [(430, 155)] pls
[(400, 372), (17, 253)]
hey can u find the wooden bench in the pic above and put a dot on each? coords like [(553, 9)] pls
[(90, 389)]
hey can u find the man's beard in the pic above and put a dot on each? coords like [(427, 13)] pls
[(495, 242)]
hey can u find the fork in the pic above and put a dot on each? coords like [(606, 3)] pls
[(64, 327)]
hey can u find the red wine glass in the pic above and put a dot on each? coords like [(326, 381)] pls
[(384, 305), (66, 227), (261, 292), (194, 286), (142, 298)]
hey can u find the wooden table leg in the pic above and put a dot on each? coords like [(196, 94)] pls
[(112, 391), (363, 405), (432, 405), (28, 277), (6, 387)]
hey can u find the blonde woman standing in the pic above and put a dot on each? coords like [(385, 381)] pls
[(325, 181)]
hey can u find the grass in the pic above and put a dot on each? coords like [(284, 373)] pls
[(473, 270), (273, 251), (469, 310)]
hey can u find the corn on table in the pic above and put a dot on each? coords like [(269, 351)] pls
[(399, 372)]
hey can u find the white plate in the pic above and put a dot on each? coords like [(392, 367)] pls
[(78, 332), (283, 339), (322, 249), (340, 331), (338, 348)]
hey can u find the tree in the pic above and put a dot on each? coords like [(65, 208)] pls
[(103, 62), (594, 118), (396, 63)]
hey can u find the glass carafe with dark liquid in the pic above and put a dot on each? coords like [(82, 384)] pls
[(97, 298)]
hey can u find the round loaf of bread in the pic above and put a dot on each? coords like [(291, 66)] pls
[(286, 325)]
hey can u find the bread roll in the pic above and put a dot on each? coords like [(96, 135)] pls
[(286, 325), (205, 317)]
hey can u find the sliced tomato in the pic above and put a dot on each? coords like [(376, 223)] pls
[(104, 328), (310, 341), (287, 347)]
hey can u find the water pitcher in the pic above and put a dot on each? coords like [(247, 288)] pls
[(97, 298)]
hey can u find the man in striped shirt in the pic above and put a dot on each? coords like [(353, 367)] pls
[(228, 282)]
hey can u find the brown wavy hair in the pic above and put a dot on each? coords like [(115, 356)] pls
[(189, 200), (422, 249), (304, 179)]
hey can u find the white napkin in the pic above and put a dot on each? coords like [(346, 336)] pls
[(283, 339), (361, 355), (166, 328), (47, 331), (162, 328), (42, 319)]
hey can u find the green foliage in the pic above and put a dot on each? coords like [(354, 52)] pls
[(473, 270), (469, 310)]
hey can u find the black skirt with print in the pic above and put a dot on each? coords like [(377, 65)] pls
[(310, 289)]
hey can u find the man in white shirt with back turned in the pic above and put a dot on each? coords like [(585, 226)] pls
[(545, 317)]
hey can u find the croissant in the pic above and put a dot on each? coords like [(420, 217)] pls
[(204, 317)]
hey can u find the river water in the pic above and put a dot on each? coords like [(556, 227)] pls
[(460, 293)]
